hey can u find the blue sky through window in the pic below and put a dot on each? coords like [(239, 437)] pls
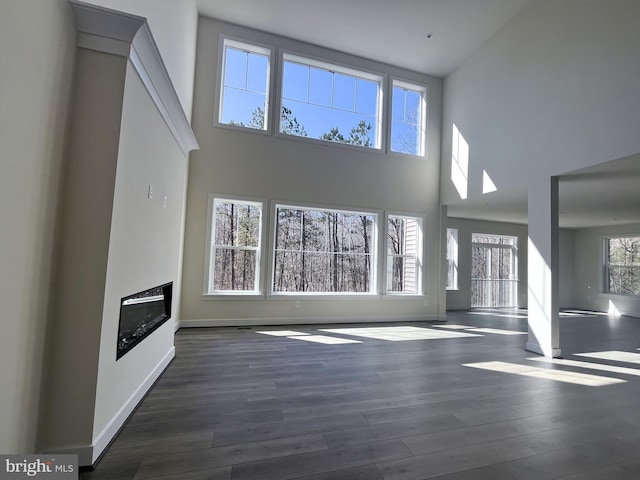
[(319, 98)]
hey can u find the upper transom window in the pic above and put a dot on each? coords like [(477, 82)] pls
[(244, 96), (330, 102), (408, 118)]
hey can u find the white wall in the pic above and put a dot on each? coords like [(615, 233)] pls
[(255, 165), (37, 48), (554, 90), (144, 247), (589, 280), (174, 25)]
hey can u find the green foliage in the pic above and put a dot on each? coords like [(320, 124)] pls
[(290, 125), (359, 135)]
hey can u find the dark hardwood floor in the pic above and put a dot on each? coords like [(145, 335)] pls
[(397, 405)]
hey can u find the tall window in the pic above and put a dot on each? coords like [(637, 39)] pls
[(323, 251), (404, 254), (330, 102), (235, 246), (622, 265), (245, 85), (408, 118), (452, 258), (494, 267)]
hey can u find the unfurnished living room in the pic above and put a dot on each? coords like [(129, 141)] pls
[(321, 240)]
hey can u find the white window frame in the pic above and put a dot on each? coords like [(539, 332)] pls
[(380, 79), (456, 259), (606, 265), (418, 256), (208, 291), (374, 250), (251, 47), (414, 87)]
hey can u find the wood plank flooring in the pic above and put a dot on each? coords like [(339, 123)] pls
[(238, 404)]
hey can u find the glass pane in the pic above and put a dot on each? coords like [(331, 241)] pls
[(317, 230), (397, 104), (320, 87), (405, 138), (235, 68), (396, 234), (287, 272), (243, 108), (289, 229), (344, 92), (335, 256), (295, 82), (234, 269), (257, 73), (248, 226), (367, 97), (412, 107)]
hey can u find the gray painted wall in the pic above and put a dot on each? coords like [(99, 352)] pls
[(254, 165), (589, 278), (37, 49), (552, 91)]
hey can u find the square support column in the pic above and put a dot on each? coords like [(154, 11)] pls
[(543, 267)]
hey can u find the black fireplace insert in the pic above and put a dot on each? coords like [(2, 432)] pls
[(142, 313)]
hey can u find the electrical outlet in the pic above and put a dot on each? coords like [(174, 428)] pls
[(150, 192), (297, 303), (164, 202)]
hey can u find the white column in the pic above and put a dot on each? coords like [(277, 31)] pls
[(543, 305)]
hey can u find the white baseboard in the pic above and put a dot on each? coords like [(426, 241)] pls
[(88, 454), (245, 322), (102, 440), (535, 348)]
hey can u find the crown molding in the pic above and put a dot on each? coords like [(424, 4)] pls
[(118, 33)]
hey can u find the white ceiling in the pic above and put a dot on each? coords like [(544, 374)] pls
[(378, 29), (395, 32), (603, 195)]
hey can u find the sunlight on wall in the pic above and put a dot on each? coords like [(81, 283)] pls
[(487, 184), (539, 298), (613, 310), (459, 162)]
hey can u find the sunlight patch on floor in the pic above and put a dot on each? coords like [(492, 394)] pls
[(283, 333), (588, 365), (556, 375), (618, 356), (324, 339), (497, 331), (398, 334), (454, 327)]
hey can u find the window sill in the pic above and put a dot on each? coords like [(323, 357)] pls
[(233, 296)]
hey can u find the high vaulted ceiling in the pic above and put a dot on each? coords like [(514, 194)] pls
[(397, 32), (390, 31)]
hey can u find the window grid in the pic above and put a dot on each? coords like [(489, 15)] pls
[(229, 244), (404, 254), (622, 265), (315, 251)]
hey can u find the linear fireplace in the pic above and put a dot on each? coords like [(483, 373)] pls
[(140, 314)]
